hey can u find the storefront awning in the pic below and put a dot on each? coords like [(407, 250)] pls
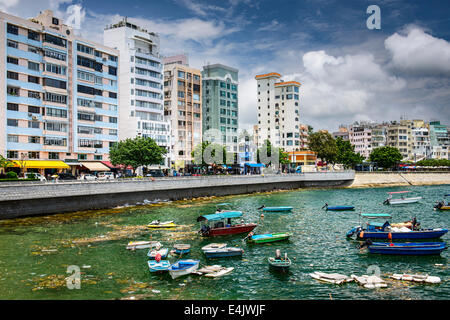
[(95, 166), (41, 164)]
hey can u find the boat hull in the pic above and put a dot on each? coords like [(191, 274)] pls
[(277, 209), (279, 265), (403, 201), (266, 238), (341, 208), (158, 267), (182, 268), (236, 229), (426, 234), (211, 254), (416, 249)]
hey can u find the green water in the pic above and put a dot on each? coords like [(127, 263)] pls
[(109, 271)]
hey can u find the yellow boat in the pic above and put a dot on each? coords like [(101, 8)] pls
[(157, 224), (441, 204)]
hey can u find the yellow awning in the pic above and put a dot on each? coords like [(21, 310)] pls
[(41, 164), (95, 166)]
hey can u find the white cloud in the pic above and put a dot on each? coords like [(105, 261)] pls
[(417, 52)]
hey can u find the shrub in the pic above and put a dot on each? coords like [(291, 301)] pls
[(11, 175)]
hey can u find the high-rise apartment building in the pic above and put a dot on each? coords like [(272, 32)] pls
[(399, 136), (360, 136), (140, 83), (278, 111), (58, 92), (220, 105), (183, 106)]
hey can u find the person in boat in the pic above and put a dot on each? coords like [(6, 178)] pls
[(277, 254)]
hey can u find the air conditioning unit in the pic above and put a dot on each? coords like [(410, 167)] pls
[(30, 114), (34, 118)]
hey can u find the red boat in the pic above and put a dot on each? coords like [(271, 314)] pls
[(219, 224)]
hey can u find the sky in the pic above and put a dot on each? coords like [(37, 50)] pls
[(348, 72)]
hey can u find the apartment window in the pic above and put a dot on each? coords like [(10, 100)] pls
[(53, 112), (56, 126), (97, 54), (33, 79), (53, 68), (12, 44), (112, 58), (98, 80), (12, 29), (54, 83), (12, 106), (86, 76), (12, 75), (113, 132), (55, 55), (33, 35), (33, 49), (112, 119), (50, 141), (112, 71), (13, 91), (89, 63), (33, 154), (33, 124), (181, 74), (55, 40), (53, 155), (82, 156), (33, 66), (34, 94), (98, 157), (32, 139), (113, 95), (89, 90), (13, 138), (85, 49), (32, 109), (53, 97), (12, 122), (12, 154), (86, 116), (12, 60), (98, 117)]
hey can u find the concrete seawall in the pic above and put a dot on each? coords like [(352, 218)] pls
[(27, 199), (390, 179)]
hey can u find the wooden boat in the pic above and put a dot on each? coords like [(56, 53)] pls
[(370, 282), (338, 208), (214, 271), (334, 278), (279, 263), (416, 278), (409, 248), (223, 271), (182, 248), (268, 237), (162, 252), (402, 200), (183, 267), (219, 224), (156, 224), (275, 209), (223, 253), (214, 246), (133, 245), (441, 204), (155, 266)]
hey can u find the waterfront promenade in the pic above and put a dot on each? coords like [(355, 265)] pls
[(391, 179), (34, 198)]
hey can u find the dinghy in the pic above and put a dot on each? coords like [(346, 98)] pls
[(416, 278), (223, 253), (441, 204), (370, 282), (214, 246), (133, 245), (157, 224), (275, 209), (279, 263), (182, 248), (334, 278), (402, 200), (338, 208), (223, 271), (162, 252), (183, 267), (160, 266), (268, 237), (408, 248)]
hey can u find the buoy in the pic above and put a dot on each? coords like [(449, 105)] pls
[(158, 257), (361, 234), (390, 236)]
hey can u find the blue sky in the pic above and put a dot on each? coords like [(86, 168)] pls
[(347, 71)]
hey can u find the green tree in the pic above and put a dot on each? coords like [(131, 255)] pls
[(346, 154), (207, 151), (5, 163), (283, 156), (386, 157), (324, 145), (136, 152)]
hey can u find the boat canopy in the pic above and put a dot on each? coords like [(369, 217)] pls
[(399, 192), (375, 215), (255, 165), (220, 216), (224, 204)]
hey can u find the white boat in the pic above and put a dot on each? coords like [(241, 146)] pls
[(221, 272), (370, 282), (416, 278), (163, 252), (183, 267), (213, 246), (401, 200), (335, 278), (133, 245)]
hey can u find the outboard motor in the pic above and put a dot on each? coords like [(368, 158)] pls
[(204, 230), (353, 231)]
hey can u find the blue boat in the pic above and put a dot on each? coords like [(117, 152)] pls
[(183, 267), (181, 248), (338, 208), (160, 266), (409, 248), (275, 209)]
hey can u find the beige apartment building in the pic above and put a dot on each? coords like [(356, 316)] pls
[(183, 106)]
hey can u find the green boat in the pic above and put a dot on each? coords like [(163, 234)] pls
[(268, 237)]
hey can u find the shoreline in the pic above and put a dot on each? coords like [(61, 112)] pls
[(399, 179)]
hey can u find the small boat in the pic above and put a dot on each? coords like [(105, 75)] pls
[(441, 204), (183, 267), (155, 266), (409, 248), (375, 215), (214, 246), (182, 248), (370, 282), (223, 252), (402, 200), (219, 224), (208, 269), (162, 252), (279, 263), (335, 278), (275, 209), (223, 271), (133, 245), (338, 208), (157, 224), (416, 278), (268, 237)]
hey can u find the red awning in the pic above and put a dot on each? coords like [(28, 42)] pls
[(111, 166)]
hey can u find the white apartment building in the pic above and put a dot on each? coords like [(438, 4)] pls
[(278, 111), (140, 83), (360, 136)]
